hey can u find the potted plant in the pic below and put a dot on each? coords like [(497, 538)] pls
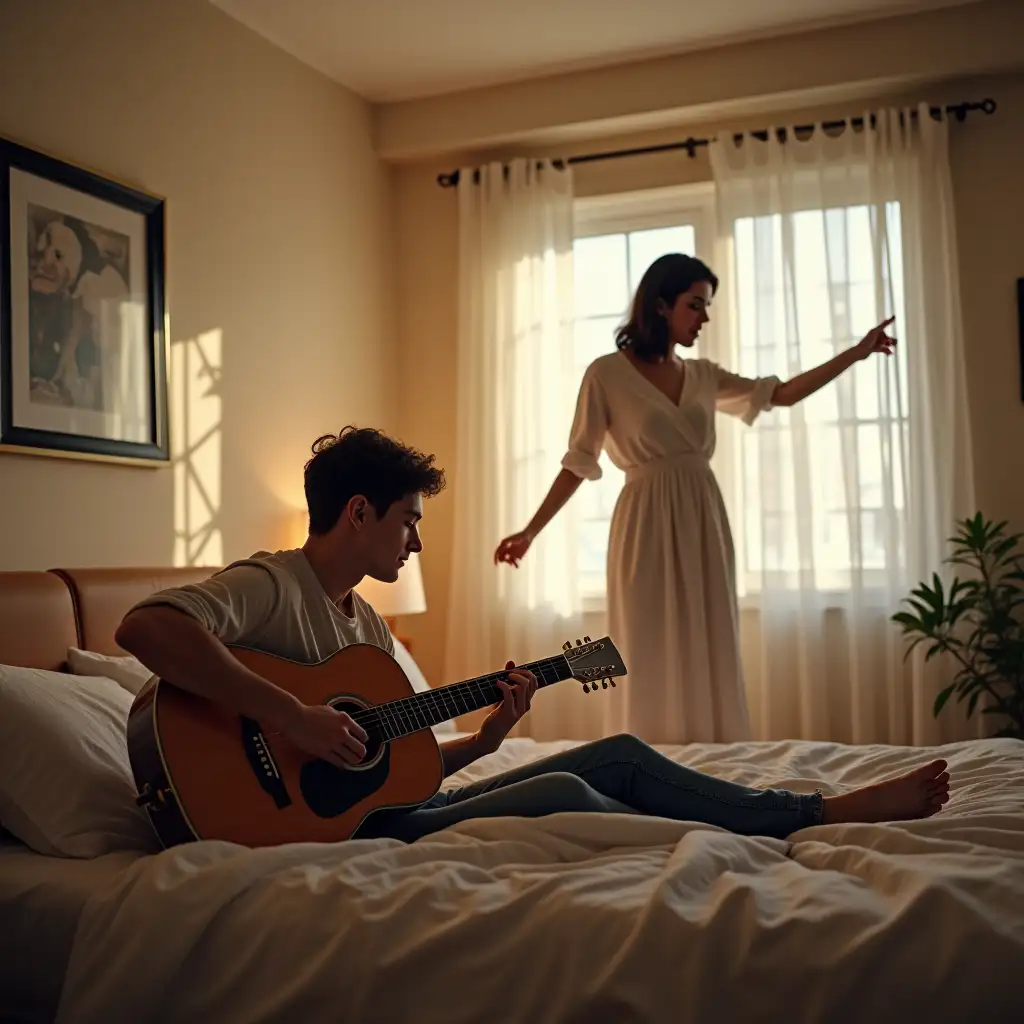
[(977, 622)]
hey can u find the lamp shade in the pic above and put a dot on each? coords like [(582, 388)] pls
[(403, 597)]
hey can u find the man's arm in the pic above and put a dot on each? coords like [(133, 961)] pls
[(180, 649), (183, 651)]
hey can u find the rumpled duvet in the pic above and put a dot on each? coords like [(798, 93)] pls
[(590, 918)]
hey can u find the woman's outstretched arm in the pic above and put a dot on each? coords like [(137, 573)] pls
[(512, 548), (804, 384)]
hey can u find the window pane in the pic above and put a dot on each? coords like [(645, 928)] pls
[(593, 337), (599, 275), (646, 246), (822, 487), (593, 546)]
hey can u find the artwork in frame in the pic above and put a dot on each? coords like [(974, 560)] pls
[(83, 346)]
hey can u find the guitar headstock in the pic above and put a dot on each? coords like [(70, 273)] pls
[(593, 662)]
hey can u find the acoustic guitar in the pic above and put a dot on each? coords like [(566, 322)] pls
[(203, 772)]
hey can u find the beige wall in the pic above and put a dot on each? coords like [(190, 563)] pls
[(987, 154), (987, 173), (278, 234)]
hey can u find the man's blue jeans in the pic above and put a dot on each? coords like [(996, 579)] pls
[(620, 774)]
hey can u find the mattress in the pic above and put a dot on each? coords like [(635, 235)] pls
[(576, 917), (41, 901)]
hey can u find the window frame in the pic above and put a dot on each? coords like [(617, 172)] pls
[(872, 587), (623, 212)]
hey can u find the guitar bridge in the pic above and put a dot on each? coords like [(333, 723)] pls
[(262, 762)]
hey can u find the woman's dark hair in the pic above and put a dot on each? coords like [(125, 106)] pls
[(361, 460), (646, 331)]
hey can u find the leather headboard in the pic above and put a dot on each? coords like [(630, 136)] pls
[(102, 598), (37, 620)]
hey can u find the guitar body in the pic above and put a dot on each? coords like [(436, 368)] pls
[(205, 773)]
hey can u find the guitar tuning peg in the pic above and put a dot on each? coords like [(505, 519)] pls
[(567, 646), (604, 684), (586, 639), (610, 680), (579, 643), (586, 688)]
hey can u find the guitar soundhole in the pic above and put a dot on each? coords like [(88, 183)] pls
[(330, 791)]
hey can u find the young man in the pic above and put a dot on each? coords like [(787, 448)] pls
[(365, 496)]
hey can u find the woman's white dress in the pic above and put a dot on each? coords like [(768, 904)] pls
[(672, 608)]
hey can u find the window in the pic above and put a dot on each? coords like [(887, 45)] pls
[(792, 313), (617, 238), (854, 432)]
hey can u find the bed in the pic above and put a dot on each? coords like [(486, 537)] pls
[(41, 901), (565, 918)]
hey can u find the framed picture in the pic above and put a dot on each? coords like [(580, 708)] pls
[(1020, 331), (83, 346)]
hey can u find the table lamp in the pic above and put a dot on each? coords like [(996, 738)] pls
[(403, 597)]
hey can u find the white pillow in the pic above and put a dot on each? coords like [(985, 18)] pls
[(124, 669), (66, 785), (419, 682)]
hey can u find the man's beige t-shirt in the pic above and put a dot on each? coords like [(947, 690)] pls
[(274, 603)]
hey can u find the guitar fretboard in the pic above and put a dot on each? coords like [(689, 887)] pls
[(407, 715)]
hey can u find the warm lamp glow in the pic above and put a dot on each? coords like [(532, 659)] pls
[(404, 597), (297, 528)]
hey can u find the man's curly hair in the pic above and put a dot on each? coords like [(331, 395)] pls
[(361, 460)]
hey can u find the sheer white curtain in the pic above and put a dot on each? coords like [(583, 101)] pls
[(842, 503), (515, 404)]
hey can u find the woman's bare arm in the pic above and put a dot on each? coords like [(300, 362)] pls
[(513, 548), (564, 486)]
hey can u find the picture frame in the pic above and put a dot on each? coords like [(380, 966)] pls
[(1020, 332), (83, 337)]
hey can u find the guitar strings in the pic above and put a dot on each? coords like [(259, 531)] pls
[(393, 716), (483, 685)]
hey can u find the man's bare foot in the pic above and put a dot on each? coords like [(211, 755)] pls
[(918, 794)]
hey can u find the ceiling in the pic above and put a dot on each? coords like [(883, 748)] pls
[(391, 50)]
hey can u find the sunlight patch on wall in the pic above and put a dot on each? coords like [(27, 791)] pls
[(196, 444)]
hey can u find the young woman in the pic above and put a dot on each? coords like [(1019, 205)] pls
[(671, 576)]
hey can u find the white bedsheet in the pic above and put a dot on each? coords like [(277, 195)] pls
[(41, 901), (590, 917)]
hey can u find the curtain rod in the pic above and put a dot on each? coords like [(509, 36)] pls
[(957, 110)]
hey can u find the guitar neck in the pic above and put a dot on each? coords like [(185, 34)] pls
[(422, 710)]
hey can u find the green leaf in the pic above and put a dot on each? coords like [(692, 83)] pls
[(910, 648), (962, 692), (929, 619), (977, 530), (1002, 548), (940, 700), (910, 623), (997, 529), (925, 598), (973, 702)]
